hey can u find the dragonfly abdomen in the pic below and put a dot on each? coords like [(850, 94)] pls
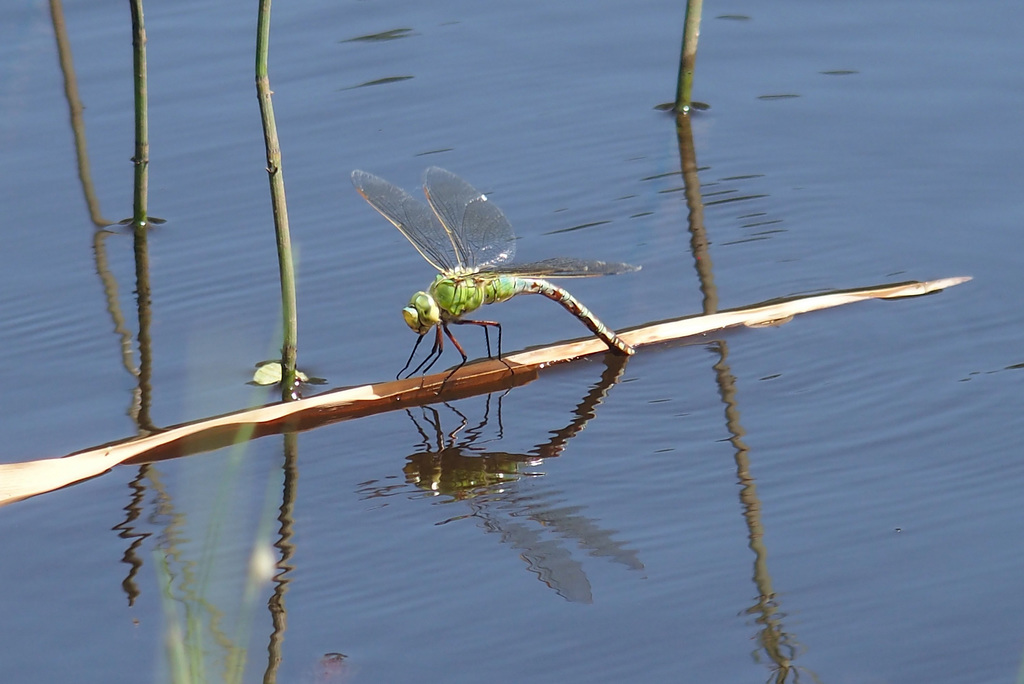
[(573, 306)]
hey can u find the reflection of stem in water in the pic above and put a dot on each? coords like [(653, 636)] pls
[(286, 516), (110, 292), (777, 644), (264, 567), (143, 300), (127, 531), (695, 220), (67, 67)]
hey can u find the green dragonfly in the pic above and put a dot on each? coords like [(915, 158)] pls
[(468, 239)]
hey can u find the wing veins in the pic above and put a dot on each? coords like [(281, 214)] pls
[(415, 220)]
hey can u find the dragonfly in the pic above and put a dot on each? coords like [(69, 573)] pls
[(470, 242)]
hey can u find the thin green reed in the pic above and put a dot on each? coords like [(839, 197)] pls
[(141, 158), (688, 58), (280, 207)]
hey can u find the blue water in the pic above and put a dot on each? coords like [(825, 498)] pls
[(837, 494)]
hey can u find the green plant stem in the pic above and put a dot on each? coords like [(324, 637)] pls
[(688, 58), (280, 206), (141, 158)]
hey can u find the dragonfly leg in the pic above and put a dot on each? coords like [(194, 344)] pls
[(458, 347), (432, 357), (486, 325), (409, 361)]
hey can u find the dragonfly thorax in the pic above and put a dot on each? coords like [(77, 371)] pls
[(452, 296), (458, 295)]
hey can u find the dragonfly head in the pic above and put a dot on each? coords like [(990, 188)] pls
[(423, 313)]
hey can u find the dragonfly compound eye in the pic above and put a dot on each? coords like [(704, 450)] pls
[(422, 314)]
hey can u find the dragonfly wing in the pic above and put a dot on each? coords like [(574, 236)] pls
[(415, 219), (482, 236), (566, 267)]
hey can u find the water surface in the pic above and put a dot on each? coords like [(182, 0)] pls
[(837, 494)]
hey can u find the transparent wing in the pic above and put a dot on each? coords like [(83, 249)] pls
[(415, 219), (483, 237), (566, 267)]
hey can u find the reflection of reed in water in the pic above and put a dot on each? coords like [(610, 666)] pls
[(67, 67), (126, 530), (775, 645)]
